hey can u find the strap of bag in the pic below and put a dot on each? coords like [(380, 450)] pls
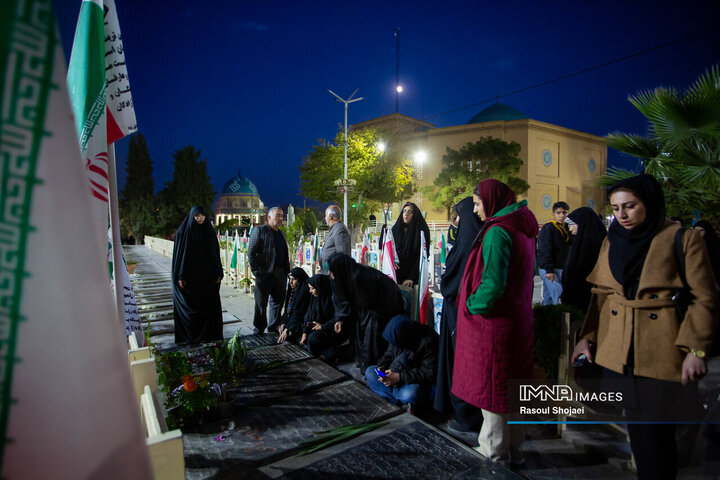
[(680, 255)]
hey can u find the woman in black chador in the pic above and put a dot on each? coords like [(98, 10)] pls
[(467, 417), (196, 275), (368, 295), (406, 233)]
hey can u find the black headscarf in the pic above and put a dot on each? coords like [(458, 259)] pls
[(712, 242), (628, 248), (196, 253), (468, 228), (300, 290), (407, 242), (321, 308), (401, 333), (582, 257)]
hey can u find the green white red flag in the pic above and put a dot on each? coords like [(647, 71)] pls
[(67, 405), (234, 260), (388, 260), (424, 282)]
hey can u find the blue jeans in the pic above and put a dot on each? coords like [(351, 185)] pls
[(551, 290), (414, 394)]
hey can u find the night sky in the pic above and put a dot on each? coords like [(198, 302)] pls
[(246, 81)]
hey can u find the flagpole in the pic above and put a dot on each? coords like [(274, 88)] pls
[(115, 232)]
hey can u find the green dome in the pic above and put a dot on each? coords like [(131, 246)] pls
[(239, 186), (497, 112)]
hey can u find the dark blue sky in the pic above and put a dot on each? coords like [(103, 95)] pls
[(246, 82)]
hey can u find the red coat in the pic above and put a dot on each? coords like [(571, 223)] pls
[(498, 345)]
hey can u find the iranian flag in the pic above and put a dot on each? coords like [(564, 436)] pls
[(315, 248), (365, 248), (443, 250), (234, 259), (388, 256), (67, 405), (301, 257), (103, 110), (423, 283)]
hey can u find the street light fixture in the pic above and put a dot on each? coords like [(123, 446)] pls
[(381, 146), (345, 182)]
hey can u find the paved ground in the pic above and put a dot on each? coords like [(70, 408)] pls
[(583, 451)]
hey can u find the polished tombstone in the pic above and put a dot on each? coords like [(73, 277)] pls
[(414, 450), (285, 352), (276, 429), (264, 387)]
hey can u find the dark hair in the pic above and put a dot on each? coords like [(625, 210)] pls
[(557, 205), (476, 192)]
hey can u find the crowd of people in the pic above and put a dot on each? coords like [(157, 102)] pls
[(626, 278)]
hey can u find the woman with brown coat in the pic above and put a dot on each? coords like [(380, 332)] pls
[(633, 322)]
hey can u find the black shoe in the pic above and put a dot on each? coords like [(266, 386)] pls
[(456, 427)]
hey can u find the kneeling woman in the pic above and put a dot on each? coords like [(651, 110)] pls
[(632, 320), (369, 296), (297, 300), (319, 328)]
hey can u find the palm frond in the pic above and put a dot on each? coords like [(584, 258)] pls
[(634, 145)]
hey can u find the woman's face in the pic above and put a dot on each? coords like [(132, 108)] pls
[(700, 230), (200, 218), (574, 228), (407, 214), (478, 208), (312, 290), (293, 282), (628, 209)]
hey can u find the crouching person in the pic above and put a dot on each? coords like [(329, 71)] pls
[(409, 365)]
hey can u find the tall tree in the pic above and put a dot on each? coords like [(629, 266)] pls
[(138, 214), (463, 169), (190, 185), (682, 147), (380, 177)]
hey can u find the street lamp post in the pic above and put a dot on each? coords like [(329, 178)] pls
[(345, 182)]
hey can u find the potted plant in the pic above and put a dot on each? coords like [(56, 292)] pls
[(131, 266), (227, 368), (246, 283)]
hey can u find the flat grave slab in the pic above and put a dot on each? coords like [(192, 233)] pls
[(264, 387), (285, 352), (412, 450), (267, 433), (260, 340)]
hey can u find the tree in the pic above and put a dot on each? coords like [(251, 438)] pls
[(305, 221), (137, 206), (463, 169), (682, 147), (190, 185), (381, 177)]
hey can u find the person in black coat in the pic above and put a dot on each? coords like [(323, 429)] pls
[(196, 275), (319, 326), (589, 233), (466, 417), (406, 233), (369, 299), (409, 366), (297, 301)]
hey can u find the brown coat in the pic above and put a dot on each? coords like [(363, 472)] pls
[(660, 340)]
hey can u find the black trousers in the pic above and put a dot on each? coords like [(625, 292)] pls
[(269, 287)]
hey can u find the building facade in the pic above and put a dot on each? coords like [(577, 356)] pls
[(239, 199), (560, 164)]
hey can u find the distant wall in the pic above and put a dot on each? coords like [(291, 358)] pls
[(160, 245)]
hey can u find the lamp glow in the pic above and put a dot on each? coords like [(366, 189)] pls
[(399, 89), (420, 157)]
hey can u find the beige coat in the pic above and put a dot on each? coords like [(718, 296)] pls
[(660, 340)]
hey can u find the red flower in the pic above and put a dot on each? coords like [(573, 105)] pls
[(190, 385), (186, 378)]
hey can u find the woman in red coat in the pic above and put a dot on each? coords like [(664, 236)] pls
[(495, 320)]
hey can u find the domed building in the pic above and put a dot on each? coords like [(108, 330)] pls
[(239, 199), (559, 163)]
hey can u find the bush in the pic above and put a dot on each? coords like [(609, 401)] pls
[(548, 321)]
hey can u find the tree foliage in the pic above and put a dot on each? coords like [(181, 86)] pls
[(682, 147), (463, 169), (306, 221), (137, 205), (382, 177), (190, 185)]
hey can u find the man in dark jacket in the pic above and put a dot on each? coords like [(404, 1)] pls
[(270, 264), (409, 366), (553, 246)]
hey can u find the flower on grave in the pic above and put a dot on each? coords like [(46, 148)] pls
[(190, 386), (186, 378)]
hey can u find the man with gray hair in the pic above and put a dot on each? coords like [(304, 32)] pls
[(337, 239), (270, 264)]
